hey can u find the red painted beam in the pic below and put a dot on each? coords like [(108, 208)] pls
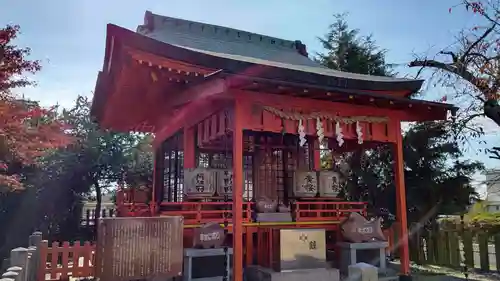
[(197, 104)]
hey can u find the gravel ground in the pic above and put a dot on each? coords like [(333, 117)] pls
[(437, 273)]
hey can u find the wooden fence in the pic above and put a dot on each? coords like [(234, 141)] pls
[(39, 262), (479, 250), (64, 260)]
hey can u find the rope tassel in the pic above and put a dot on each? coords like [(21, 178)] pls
[(302, 133), (319, 130), (339, 134)]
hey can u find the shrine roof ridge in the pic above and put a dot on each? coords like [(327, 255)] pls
[(237, 45), (154, 21)]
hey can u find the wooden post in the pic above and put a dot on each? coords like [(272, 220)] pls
[(401, 204), (484, 260), (189, 148), (154, 191), (238, 119), (316, 155)]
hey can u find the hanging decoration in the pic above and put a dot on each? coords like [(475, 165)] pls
[(302, 133), (296, 116), (359, 133), (319, 130), (339, 134)]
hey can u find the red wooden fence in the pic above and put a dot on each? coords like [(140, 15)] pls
[(61, 261)]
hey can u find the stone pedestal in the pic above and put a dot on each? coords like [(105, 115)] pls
[(363, 272), (206, 264), (258, 273), (369, 252), (273, 217)]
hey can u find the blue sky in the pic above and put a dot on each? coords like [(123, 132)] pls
[(68, 36)]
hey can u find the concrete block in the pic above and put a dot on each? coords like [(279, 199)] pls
[(362, 272), (258, 273)]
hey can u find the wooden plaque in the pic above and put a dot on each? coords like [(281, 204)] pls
[(329, 183), (225, 182), (305, 184), (199, 182), (139, 248)]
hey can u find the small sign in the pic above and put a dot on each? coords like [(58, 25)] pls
[(301, 249), (210, 235)]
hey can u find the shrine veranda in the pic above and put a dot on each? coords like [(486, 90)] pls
[(228, 106)]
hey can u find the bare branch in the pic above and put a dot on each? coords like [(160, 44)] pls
[(447, 67), (452, 54), (481, 38)]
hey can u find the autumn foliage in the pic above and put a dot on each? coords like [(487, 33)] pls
[(473, 58), (27, 131)]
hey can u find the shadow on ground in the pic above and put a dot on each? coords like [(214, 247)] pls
[(437, 273)]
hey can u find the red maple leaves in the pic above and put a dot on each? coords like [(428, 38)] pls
[(27, 131)]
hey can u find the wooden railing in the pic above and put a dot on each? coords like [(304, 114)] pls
[(327, 211), (89, 215), (202, 212)]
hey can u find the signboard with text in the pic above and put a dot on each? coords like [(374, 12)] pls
[(139, 248)]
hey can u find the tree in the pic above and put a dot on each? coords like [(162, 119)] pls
[(98, 157), (430, 177), (473, 59), (27, 131), (139, 171), (347, 51), (436, 184)]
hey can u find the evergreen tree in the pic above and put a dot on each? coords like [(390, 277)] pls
[(429, 150), (347, 50)]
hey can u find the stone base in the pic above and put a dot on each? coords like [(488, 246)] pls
[(363, 272), (369, 252), (258, 273), (206, 264), (273, 217)]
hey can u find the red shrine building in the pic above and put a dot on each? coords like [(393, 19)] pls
[(229, 106)]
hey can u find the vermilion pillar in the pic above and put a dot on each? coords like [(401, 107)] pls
[(238, 119), (188, 144), (152, 203), (158, 184), (401, 202), (316, 148)]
